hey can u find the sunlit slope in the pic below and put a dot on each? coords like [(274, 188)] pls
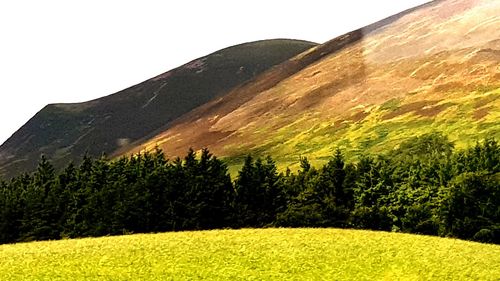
[(267, 254), (434, 68), (64, 132)]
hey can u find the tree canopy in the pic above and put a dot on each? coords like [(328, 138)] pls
[(424, 186)]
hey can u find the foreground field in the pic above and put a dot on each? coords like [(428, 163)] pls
[(274, 254)]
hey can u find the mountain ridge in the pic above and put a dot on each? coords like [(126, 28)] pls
[(65, 132), (413, 74)]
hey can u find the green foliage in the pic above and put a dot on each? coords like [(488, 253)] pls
[(424, 186), (391, 104), (471, 207), (425, 147), (259, 193), (325, 200)]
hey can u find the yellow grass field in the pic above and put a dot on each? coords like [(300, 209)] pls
[(251, 254)]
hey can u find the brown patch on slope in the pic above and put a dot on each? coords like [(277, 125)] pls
[(450, 86), (431, 111), (484, 101), (480, 113), (359, 116), (407, 108)]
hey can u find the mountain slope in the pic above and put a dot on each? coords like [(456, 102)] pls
[(435, 67), (65, 132)]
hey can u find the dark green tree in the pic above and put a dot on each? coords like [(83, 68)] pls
[(39, 207), (259, 193), (471, 207)]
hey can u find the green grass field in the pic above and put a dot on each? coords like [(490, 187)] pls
[(268, 254)]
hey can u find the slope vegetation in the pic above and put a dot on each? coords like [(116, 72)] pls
[(65, 132), (268, 254), (432, 68)]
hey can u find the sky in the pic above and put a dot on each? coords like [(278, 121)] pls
[(62, 51)]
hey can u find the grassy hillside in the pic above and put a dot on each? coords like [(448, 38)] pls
[(269, 254), (434, 68), (64, 132)]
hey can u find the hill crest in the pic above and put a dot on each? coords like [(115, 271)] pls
[(65, 132)]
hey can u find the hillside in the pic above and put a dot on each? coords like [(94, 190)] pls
[(64, 132), (267, 254), (432, 68)]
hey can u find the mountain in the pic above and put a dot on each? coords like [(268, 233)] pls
[(65, 132), (431, 68)]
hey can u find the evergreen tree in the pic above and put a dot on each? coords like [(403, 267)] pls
[(259, 193), (421, 187), (471, 207), (38, 215)]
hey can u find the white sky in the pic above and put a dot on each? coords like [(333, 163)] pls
[(55, 51)]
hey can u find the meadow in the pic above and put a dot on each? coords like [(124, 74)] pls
[(251, 254)]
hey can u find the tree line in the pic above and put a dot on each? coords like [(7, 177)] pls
[(424, 186)]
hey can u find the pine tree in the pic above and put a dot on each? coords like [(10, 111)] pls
[(38, 216), (260, 194)]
